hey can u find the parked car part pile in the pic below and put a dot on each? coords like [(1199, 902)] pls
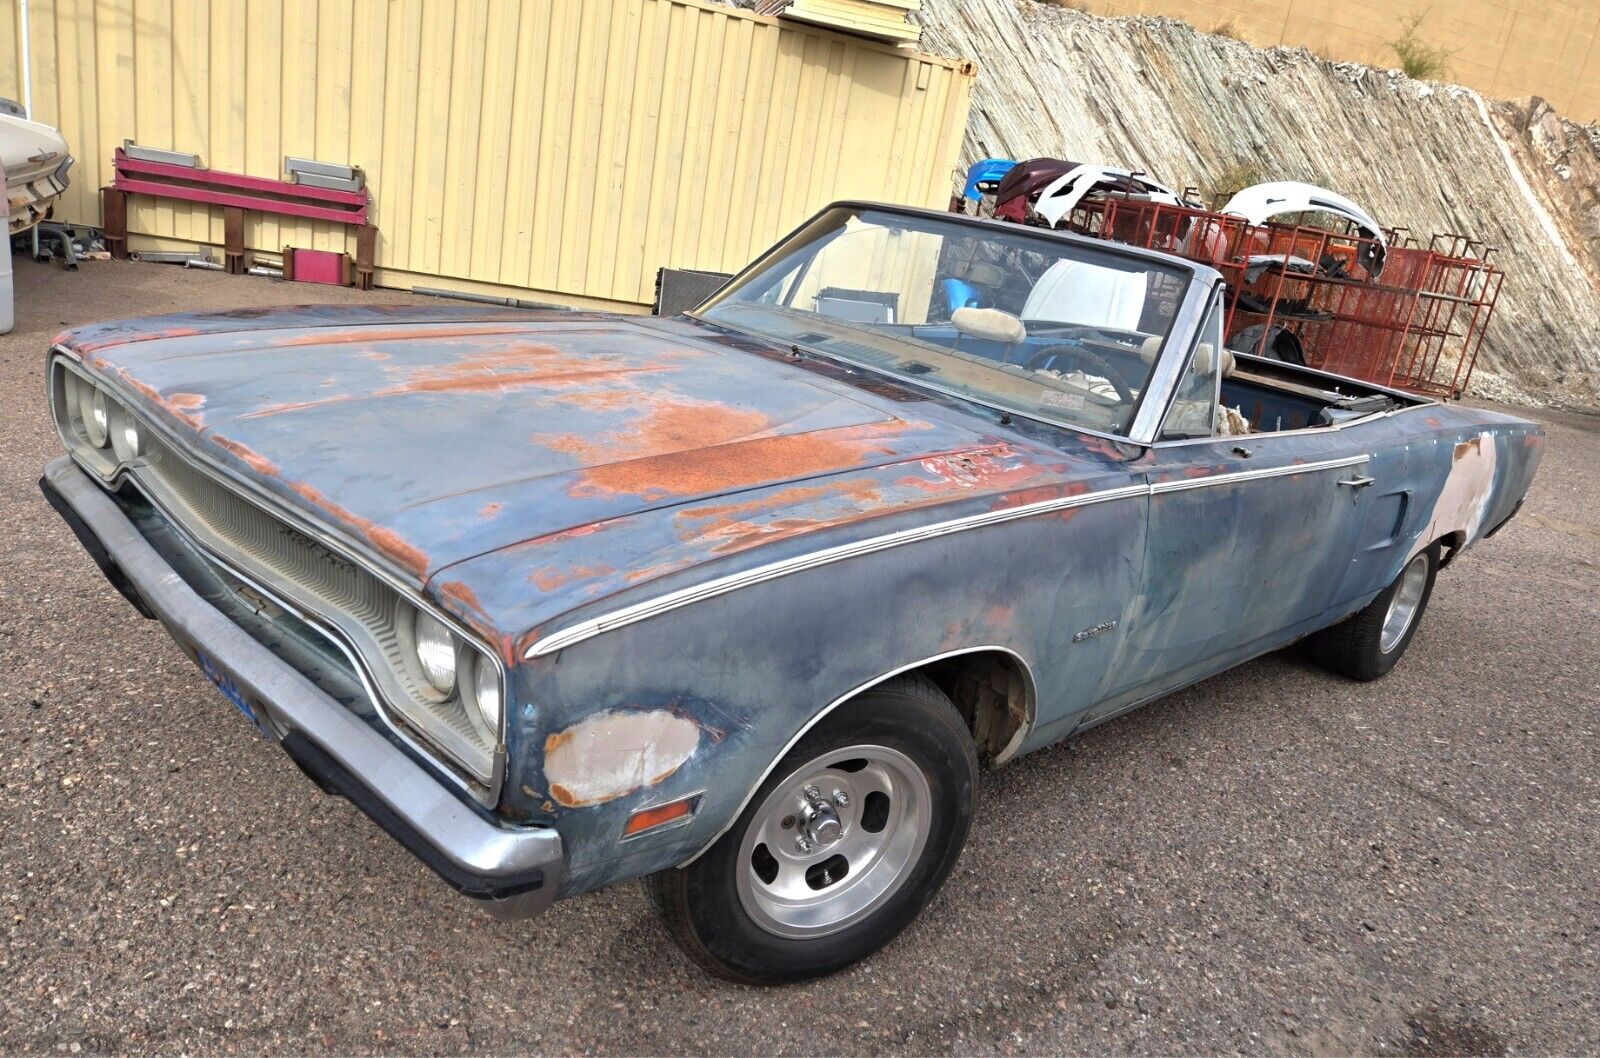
[(1345, 297)]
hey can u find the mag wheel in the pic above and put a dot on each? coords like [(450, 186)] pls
[(1367, 644), (1405, 604), (839, 849), (833, 840)]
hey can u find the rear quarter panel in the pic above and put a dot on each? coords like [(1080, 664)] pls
[(1471, 468)]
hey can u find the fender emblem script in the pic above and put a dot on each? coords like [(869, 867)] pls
[(1094, 630)]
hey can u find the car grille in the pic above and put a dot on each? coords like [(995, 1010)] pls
[(326, 587)]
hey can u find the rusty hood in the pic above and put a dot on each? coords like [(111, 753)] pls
[(587, 454)]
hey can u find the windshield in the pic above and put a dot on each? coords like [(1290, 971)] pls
[(1050, 329)]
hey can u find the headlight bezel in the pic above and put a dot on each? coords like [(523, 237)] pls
[(96, 413), (127, 436), (435, 651), (95, 422), (488, 709), (473, 666)]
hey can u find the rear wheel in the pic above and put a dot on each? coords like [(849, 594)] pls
[(839, 849), (1367, 644)]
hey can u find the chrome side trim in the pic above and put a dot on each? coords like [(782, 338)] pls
[(1256, 475), (1027, 675), (627, 615), (733, 582)]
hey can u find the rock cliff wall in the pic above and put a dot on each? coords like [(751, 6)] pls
[(1190, 108)]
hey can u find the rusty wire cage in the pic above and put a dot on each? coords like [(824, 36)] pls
[(1456, 300), (1418, 324)]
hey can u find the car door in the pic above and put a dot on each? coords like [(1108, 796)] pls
[(1248, 538)]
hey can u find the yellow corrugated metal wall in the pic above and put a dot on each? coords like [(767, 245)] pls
[(562, 146)]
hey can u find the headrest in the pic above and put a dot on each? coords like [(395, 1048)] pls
[(1150, 348), (995, 325), (1205, 357)]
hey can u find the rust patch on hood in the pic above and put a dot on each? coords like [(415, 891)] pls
[(1001, 467), (732, 527), (550, 577), (464, 598), (186, 406), (685, 449), (664, 428), (393, 334), (248, 456), (386, 540), (130, 330), (519, 365), (460, 597), (181, 406)]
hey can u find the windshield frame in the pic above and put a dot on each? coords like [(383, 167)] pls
[(1143, 425)]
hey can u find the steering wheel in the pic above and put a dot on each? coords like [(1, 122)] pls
[(1085, 361)]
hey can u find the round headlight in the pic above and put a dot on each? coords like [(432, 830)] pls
[(125, 438), (436, 652), (486, 691), (96, 419)]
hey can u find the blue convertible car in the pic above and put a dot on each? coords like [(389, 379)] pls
[(737, 601)]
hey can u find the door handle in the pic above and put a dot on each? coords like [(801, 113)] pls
[(1359, 482)]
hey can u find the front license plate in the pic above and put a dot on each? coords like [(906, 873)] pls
[(230, 690)]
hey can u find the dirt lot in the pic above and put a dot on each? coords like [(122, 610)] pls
[(1274, 861)]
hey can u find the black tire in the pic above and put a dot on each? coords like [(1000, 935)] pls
[(701, 905), (1354, 646)]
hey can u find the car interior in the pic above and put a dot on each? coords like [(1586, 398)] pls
[(1265, 396), (1060, 331)]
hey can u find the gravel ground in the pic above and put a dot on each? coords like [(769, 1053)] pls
[(1273, 861)]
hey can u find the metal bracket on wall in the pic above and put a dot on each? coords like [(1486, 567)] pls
[(148, 171)]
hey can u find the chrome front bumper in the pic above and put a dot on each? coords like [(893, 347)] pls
[(514, 873)]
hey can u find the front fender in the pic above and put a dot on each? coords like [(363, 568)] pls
[(704, 700)]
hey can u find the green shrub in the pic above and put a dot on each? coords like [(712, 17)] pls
[(1418, 59)]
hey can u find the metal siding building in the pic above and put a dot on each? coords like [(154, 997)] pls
[(564, 147)]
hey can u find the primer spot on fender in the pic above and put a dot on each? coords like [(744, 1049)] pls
[(1463, 503), (614, 753)]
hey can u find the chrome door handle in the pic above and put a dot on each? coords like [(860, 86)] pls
[(1358, 483)]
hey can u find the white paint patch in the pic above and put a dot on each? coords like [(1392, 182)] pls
[(1463, 503), (614, 753)]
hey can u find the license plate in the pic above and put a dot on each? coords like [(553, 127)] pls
[(230, 690)]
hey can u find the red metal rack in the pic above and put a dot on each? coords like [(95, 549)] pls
[(1418, 325)]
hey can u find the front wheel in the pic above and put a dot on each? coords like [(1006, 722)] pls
[(1369, 643), (841, 847)]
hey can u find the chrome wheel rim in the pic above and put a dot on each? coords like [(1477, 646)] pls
[(1403, 606), (834, 841)]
